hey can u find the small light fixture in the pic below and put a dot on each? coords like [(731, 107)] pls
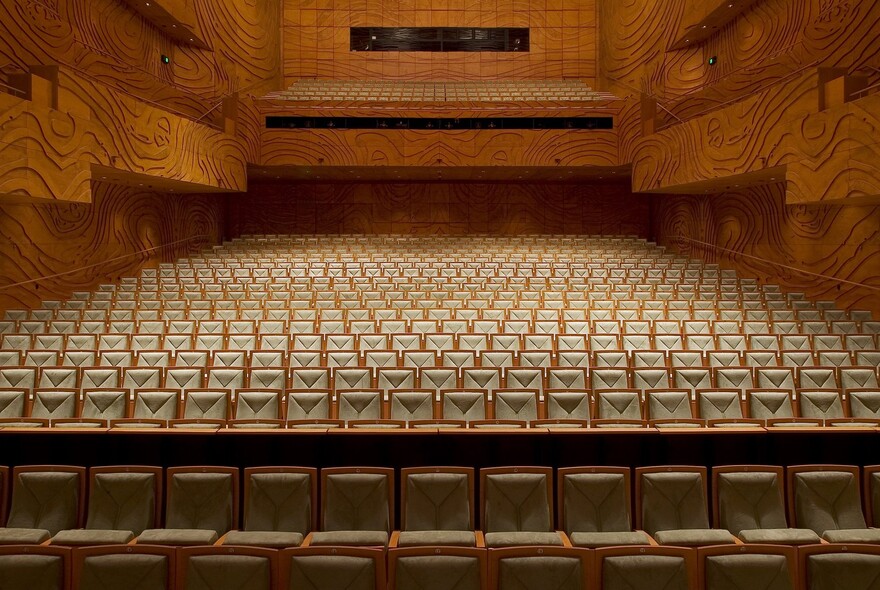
[(713, 60), (165, 59)]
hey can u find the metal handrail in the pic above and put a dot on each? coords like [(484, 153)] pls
[(736, 99), (104, 262), (13, 89), (220, 103), (774, 263), (653, 96)]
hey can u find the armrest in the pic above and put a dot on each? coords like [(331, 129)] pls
[(547, 423), (817, 422), (255, 423), (136, 421), (491, 423), (318, 423), (598, 423)]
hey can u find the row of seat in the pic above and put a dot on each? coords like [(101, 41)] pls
[(358, 321), (438, 506), (353, 375), (312, 89), (114, 567), (427, 409), (805, 366)]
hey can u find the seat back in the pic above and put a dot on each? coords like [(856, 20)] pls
[(618, 405), (281, 499), (129, 566), (258, 404), (550, 568), (748, 498), (124, 498), (567, 404), (864, 403), (824, 404), (671, 498), (643, 568), (516, 499), (109, 404), (329, 568), (515, 405), (203, 498), (669, 405), (720, 405), (156, 405), (13, 403), (825, 497), (411, 405), (437, 499), (745, 567), (226, 568), (54, 404), (34, 567), (464, 404), (359, 404), (357, 499), (766, 405), (47, 497), (208, 404), (594, 499), (460, 568), (309, 404)]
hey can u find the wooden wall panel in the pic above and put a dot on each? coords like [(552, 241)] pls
[(58, 248), (116, 46), (756, 233), (48, 153), (315, 39), (438, 148), (438, 207)]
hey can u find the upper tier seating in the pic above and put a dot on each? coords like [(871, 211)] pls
[(312, 89), (499, 333)]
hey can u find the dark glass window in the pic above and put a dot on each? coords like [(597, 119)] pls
[(438, 39)]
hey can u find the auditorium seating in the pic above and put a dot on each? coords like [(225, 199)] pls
[(595, 544), (436, 91), (289, 332)]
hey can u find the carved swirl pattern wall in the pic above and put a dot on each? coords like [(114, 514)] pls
[(45, 239), (120, 49), (436, 207), (316, 41), (835, 241)]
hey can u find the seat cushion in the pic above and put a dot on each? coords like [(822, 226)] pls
[(23, 536), (694, 537), (85, 537), (609, 539), (82, 425), (617, 425), (737, 425), (371, 538), (515, 539), (21, 425), (263, 425), (852, 536), (677, 425), (269, 539), (137, 425), (453, 538), (780, 536), (177, 537)]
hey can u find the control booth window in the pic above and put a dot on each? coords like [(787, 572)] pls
[(439, 39)]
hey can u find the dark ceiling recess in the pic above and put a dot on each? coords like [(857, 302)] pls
[(390, 123), (438, 39)]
